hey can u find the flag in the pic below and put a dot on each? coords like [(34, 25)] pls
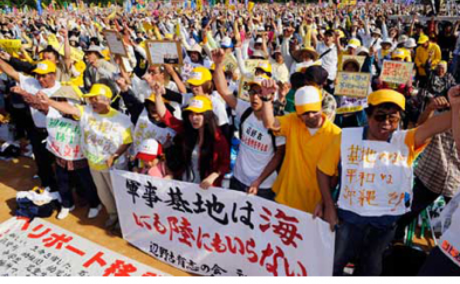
[(199, 5), (193, 4), (39, 7)]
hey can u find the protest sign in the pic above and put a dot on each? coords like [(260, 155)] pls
[(396, 71), (348, 58), (230, 62), (40, 248), (115, 43), (10, 45), (353, 84), (164, 52), (243, 88), (219, 231), (251, 64)]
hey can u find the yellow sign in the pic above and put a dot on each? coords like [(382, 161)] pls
[(10, 45), (251, 6)]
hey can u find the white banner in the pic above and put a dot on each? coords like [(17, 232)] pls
[(220, 231), (40, 248)]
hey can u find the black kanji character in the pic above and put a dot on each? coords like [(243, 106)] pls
[(150, 195), (215, 206), (217, 270), (177, 202), (132, 187), (199, 204)]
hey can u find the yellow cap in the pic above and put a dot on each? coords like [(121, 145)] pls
[(99, 90), (423, 39), (199, 104), (151, 98), (307, 99), (265, 66), (398, 53), (45, 67), (387, 96), (199, 76), (257, 80), (354, 43)]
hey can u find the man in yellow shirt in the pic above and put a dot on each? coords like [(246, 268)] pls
[(427, 51), (375, 166), (308, 134)]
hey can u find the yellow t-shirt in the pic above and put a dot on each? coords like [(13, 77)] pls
[(296, 185), (330, 159)]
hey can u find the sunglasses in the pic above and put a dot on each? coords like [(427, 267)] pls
[(383, 117), (253, 92)]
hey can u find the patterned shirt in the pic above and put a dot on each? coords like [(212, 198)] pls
[(439, 165)]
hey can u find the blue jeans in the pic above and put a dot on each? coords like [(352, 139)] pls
[(362, 244), (239, 186)]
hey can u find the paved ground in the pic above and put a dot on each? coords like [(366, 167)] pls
[(17, 175)]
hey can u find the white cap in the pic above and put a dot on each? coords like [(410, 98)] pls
[(307, 99), (410, 43)]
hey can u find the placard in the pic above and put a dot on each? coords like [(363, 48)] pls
[(243, 88), (230, 62), (164, 52), (115, 43), (39, 248), (398, 72), (353, 84), (220, 231), (251, 64)]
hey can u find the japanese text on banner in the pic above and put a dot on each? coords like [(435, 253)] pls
[(220, 232)]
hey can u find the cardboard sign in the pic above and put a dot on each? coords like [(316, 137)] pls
[(353, 84), (230, 62), (40, 248), (243, 88), (115, 43), (251, 65), (164, 52), (397, 72), (220, 231)]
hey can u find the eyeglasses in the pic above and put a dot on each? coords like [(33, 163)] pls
[(383, 117), (253, 92)]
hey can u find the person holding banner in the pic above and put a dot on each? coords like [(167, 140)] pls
[(106, 137), (375, 164), (260, 152), (204, 148), (308, 134)]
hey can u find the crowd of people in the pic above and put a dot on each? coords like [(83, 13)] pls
[(279, 130)]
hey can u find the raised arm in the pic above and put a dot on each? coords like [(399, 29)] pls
[(220, 81), (269, 119), (8, 70), (62, 107)]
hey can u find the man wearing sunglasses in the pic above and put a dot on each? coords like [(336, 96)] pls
[(375, 167), (44, 82)]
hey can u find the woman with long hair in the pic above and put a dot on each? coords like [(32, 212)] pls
[(202, 148)]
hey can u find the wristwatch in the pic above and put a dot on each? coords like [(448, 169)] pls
[(266, 99)]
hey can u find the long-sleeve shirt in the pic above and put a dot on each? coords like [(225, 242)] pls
[(221, 152)]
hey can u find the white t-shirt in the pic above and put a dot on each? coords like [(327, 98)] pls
[(256, 149), (218, 107), (32, 86), (330, 60)]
